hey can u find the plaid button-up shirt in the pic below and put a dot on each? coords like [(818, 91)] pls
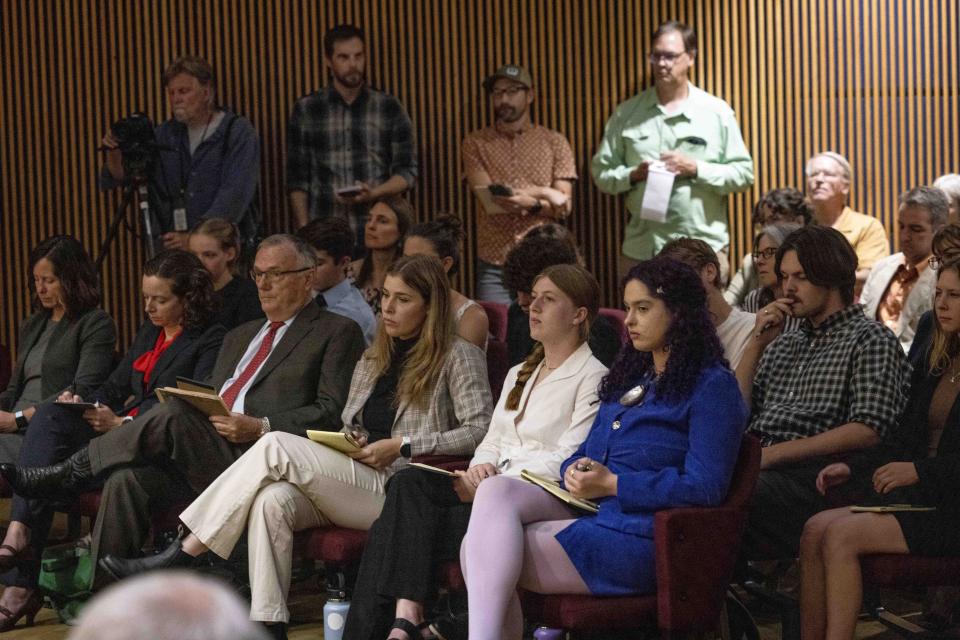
[(849, 369), (332, 144)]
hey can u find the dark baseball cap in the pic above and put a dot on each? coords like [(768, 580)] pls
[(510, 72)]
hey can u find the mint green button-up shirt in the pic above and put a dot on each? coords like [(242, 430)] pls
[(705, 129)]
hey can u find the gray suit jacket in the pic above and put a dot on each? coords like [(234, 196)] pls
[(79, 354), (305, 381)]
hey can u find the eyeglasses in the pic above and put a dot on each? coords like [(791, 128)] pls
[(509, 92), (766, 254), (826, 174), (664, 56), (274, 276)]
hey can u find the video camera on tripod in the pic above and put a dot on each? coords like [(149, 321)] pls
[(140, 155)]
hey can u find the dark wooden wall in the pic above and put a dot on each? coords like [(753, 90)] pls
[(874, 79)]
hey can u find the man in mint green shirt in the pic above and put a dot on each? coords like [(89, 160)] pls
[(696, 137)]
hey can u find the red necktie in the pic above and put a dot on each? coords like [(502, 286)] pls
[(230, 395)]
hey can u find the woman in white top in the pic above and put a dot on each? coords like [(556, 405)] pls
[(441, 238), (547, 407)]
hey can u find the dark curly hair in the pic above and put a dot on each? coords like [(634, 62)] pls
[(531, 256), (691, 338), (190, 282), (787, 203), (79, 284)]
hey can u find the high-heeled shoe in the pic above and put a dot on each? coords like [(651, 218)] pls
[(15, 557), (29, 608), (172, 557), (51, 481)]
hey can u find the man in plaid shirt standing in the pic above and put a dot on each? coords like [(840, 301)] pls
[(834, 386), (348, 145)]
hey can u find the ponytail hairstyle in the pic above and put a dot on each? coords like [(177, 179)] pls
[(945, 346), (225, 233), (582, 288), (423, 274), (445, 234), (190, 282)]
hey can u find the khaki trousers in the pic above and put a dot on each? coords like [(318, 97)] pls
[(283, 484)]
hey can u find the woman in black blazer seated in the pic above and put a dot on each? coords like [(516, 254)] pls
[(66, 343), (180, 338), (918, 465)]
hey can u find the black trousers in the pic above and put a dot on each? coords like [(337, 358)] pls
[(785, 498), (422, 524), (53, 435)]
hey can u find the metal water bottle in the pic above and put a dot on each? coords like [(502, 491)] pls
[(542, 633), (335, 611)]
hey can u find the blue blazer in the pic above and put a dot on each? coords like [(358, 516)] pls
[(667, 455), (191, 355)]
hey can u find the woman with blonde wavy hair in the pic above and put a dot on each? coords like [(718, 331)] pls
[(418, 389), (544, 413)]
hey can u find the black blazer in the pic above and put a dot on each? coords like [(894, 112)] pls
[(78, 355), (939, 483), (191, 355)]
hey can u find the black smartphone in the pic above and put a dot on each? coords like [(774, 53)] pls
[(501, 190)]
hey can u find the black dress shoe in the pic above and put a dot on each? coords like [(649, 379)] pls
[(276, 630), (170, 558), (53, 481)]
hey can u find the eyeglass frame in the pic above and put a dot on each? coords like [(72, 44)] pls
[(766, 254), (670, 58), (509, 92), (274, 276)]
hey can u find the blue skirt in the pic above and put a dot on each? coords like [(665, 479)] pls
[(611, 563)]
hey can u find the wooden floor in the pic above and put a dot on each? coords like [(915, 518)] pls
[(306, 608)]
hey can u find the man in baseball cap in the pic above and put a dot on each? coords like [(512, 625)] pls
[(522, 174)]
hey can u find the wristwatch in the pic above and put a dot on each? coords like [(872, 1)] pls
[(264, 426), (537, 207), (405, 448), (21, 420)]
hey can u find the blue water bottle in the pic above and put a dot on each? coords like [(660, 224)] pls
[(335, 610), (542, 633)]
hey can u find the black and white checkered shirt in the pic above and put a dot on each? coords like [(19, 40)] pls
[(849, 369), (332, 144)]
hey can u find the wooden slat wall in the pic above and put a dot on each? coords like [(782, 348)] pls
[(874, 79)]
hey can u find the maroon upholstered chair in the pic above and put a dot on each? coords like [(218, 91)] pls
[(340, 549), (498, 364), (695, 553), (899, 571), (617, 317), (497, 316)]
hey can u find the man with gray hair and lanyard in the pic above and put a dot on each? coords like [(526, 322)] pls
[(208, 159)]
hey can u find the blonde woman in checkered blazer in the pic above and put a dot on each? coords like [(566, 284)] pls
[(418, 389)]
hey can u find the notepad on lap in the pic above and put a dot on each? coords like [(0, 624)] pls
[(338, 440), (209, 404), (433, 469), (551, 486), (890, 508), (194, 385)]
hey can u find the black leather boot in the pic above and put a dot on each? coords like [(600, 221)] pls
[(170, 558), (54, 481)]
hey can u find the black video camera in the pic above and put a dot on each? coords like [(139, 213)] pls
[(138, 145)]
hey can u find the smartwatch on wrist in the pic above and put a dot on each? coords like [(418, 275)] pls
[(536, 208), (21, 420), (406, 450)]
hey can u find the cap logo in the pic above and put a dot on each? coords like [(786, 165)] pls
[(512, 71)]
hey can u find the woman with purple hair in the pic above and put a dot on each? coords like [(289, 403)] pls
[(667, 435)]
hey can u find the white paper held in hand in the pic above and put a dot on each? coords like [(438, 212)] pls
[(656, 196)]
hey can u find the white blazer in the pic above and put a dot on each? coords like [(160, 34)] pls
[(917, 303), (557, 415)]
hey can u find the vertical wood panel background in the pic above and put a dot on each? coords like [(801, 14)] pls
[(876, 80)]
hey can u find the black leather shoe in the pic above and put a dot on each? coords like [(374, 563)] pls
[(276, 630), (170, 558), (53, 481)]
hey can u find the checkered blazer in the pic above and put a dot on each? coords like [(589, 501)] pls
[(455, 418)]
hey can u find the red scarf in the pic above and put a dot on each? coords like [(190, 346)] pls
[(148, 360)]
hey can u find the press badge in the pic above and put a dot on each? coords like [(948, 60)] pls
[(179, 219)]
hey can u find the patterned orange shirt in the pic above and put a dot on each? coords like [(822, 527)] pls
[(891, 304), (534, 156)]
